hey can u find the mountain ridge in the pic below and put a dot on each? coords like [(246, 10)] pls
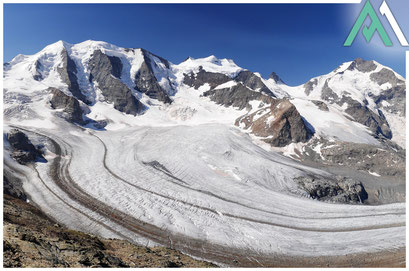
[(147, 77)]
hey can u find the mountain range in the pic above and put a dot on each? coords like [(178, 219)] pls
[(89, 124)]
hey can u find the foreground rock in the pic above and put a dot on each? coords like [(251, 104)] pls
[(31, 239), (341, 189), (23, 151)]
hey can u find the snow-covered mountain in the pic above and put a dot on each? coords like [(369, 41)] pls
[(358, 100), (136, 147)]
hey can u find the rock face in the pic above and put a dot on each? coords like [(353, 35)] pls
[(68, 75), (252, 81), (341, 189), (328, 94), (105, 71), (13, 186), (237, 96), (23, 151), (359, 112), (362, 65), (276, 78), (146, 81), (31, 239), (362, 114), (38, 67), (202, 77), (71, 107), (280, 124), (381, 160), (321, 105), (309, 86)]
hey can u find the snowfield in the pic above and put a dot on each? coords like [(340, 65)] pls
[(208, 182)]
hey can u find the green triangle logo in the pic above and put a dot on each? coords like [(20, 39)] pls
[(368, 33)]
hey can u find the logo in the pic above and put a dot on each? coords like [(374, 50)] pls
[(376, 25)]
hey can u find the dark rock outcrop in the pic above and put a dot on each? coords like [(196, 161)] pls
[(13, 186), (309, 86), (328, 94), (106, 70), (23, 151), (362, 65), (340, 189), (362, 114), (395, 98), (72, 110), (237, 96), (385, 76), (385, 160), (321, 105), (202, 77), (38, 67), (281, 124), (146, 81), (252, 81), (276, 78), (68, 73)]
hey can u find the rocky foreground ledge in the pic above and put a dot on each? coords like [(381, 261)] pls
[(31, 239)]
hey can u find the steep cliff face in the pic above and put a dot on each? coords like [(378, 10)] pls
[(106, 72), (23, 151), (279, 124), (146, 81), (203, 77), (68, 73), (71, 109)]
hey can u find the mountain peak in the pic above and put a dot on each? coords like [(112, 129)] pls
[(276, 78), (362, 65)]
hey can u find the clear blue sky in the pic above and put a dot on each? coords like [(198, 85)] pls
[(295, 41)]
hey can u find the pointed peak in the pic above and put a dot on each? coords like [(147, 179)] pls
[(276, 78), (189, 58), (362, 65), (212, 58)]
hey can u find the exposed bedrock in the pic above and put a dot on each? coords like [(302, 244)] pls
[(37, 73), (22, 150), (321, 105), (309, 86), (340, 189), (381, 160), (238, 96), (105, 71), (276, 78), (362, 65), (279, 124), (68, 73), (202, 77), (13, 186), (252, 81), (71, 109), (376, 122), (146, 81), (385, 76)]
